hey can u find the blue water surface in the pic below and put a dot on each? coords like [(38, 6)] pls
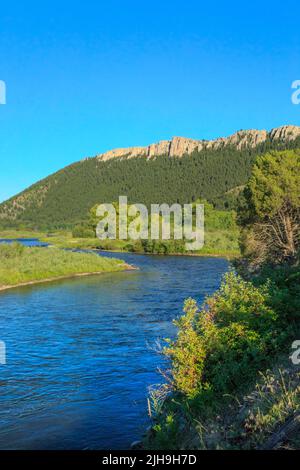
[(80, 352), (24, 241)]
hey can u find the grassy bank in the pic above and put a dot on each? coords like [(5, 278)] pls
[(223, 243), (266, 416), (217, 243), (20, 265), (21, 233)]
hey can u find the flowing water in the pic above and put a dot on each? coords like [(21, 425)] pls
[(80, 352)]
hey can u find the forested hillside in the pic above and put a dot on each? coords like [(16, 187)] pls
[(64, 198)]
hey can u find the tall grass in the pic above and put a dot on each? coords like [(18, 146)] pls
[(19, 264)]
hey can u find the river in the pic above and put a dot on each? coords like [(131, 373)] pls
[(80, 352)]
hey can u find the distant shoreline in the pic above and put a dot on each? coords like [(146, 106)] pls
[(127, 267), (199, 255), (67, 242)]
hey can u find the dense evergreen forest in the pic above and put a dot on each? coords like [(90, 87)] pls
[(64, 198)]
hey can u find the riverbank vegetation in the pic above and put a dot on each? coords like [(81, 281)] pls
[(230, 383), (20, 264), (221, 237)]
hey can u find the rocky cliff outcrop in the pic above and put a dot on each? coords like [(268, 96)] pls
[(179, 146), (285, 133)]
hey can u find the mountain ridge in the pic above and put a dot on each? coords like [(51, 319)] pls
[(211, 170), (180, 146)]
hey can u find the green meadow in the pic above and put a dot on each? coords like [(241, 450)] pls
[(20, 265)]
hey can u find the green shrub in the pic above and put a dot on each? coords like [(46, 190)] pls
[(82, 231), (221, 346), (284, 286)]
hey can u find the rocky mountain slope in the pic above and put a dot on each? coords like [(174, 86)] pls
[(214, 170), (180, 146)]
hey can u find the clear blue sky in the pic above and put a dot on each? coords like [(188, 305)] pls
[(84, 77)]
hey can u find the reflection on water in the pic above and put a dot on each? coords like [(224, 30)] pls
[(79, 357), (24, 241)]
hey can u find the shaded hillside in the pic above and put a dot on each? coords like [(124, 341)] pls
[(64, 198)]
